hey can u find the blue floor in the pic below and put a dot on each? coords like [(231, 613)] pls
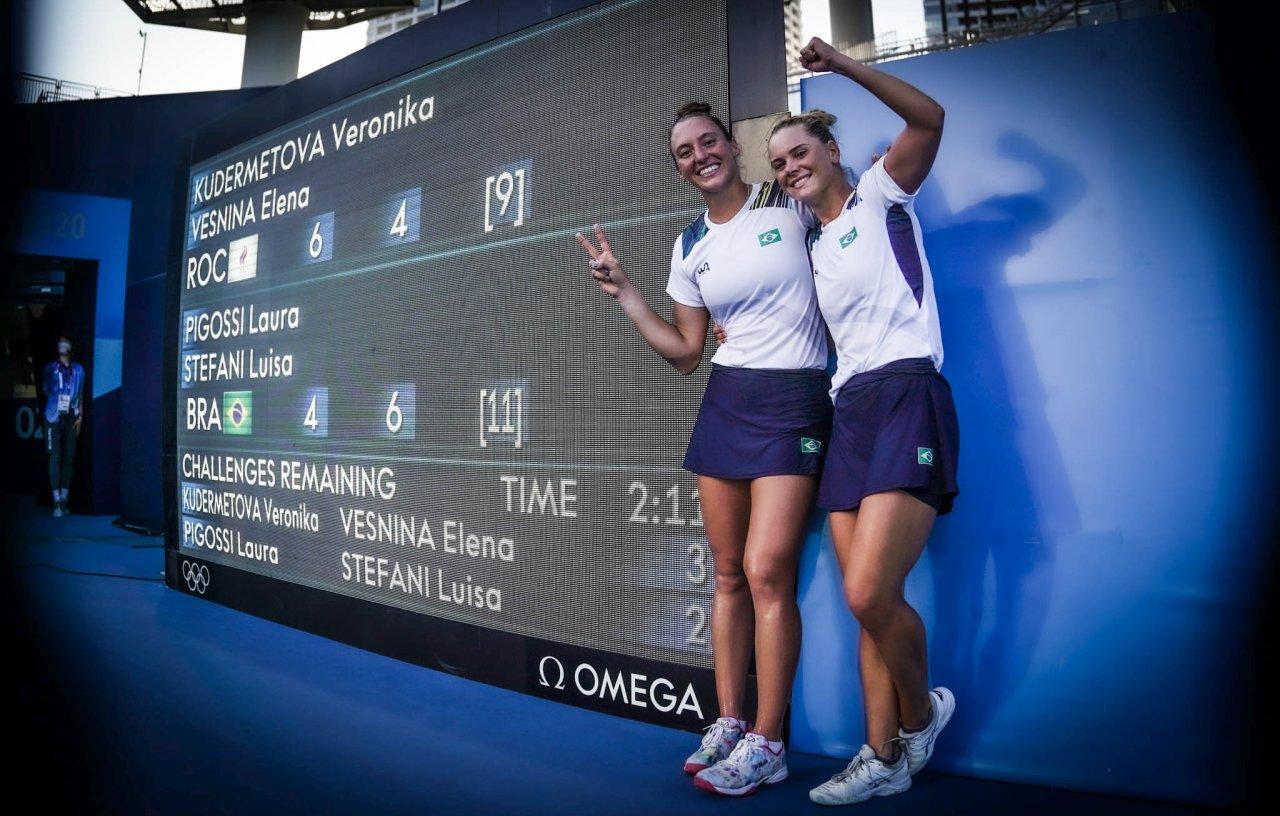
[(149, 700)]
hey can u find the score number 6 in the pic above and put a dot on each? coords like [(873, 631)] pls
[(319, 239), (395, 417), (400, 416), (316, 245)]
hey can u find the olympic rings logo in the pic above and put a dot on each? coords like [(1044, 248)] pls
[(196, 575)]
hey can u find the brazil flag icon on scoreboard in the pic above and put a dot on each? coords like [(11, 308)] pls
[(237, 412)]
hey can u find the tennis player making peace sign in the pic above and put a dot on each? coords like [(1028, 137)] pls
[(760, 436)]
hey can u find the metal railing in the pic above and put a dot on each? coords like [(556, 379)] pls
[(1054, 16), (31, 89)]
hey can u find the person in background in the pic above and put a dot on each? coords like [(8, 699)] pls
[(63, 384)]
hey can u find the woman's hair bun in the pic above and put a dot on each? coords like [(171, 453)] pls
[(821, 117), (690, 109), (817, 123), (693, 109)]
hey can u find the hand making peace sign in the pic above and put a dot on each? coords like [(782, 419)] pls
[(604, 267)]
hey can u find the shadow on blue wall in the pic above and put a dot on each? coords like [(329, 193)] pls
[(991, 563), (1105, 297), (1001, 529)]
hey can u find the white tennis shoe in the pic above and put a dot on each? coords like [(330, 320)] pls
[(719, 741), (751, 764), (918, 746), (865, 776)]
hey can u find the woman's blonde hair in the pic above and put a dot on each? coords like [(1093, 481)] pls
[(817, 123)]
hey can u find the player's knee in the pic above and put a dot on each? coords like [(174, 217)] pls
[(730, 578), (769, 576), (871, 604)]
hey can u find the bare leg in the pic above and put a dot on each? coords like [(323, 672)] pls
[(879, 697), (878, 547), (726, 510), (779, 509)]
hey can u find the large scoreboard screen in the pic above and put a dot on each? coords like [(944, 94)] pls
[(404, 413)]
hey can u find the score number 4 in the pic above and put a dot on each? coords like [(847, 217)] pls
[(402, 217), (315, 417)]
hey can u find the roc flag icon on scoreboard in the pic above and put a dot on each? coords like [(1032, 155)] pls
[(237, 412), (242, 258)]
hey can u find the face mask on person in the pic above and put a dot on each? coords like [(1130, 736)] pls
[(64, 347)]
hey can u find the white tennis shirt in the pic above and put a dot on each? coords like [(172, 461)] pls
[(752, 273), (874, 285)]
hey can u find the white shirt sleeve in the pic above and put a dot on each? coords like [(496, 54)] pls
[(877, 187), (681, 284)]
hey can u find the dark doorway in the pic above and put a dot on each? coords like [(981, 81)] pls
[(42, 297)]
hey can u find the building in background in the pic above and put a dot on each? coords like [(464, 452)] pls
[(949, 17), (962, 23), (853, 28), (967, 15), (792, 33), (389, 24)]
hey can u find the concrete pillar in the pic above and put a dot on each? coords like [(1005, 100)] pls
[(852, 27), (752, 136), (272, 42)]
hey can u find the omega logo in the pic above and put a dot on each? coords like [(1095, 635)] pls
[(542, 673), (630, 688)]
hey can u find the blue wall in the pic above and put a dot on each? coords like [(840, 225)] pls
[(1103, 262)]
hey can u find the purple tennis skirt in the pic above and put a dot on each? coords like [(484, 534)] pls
[(761, 422), (895, 428)]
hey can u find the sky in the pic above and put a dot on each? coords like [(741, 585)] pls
[(177, 59), (96, 42)]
